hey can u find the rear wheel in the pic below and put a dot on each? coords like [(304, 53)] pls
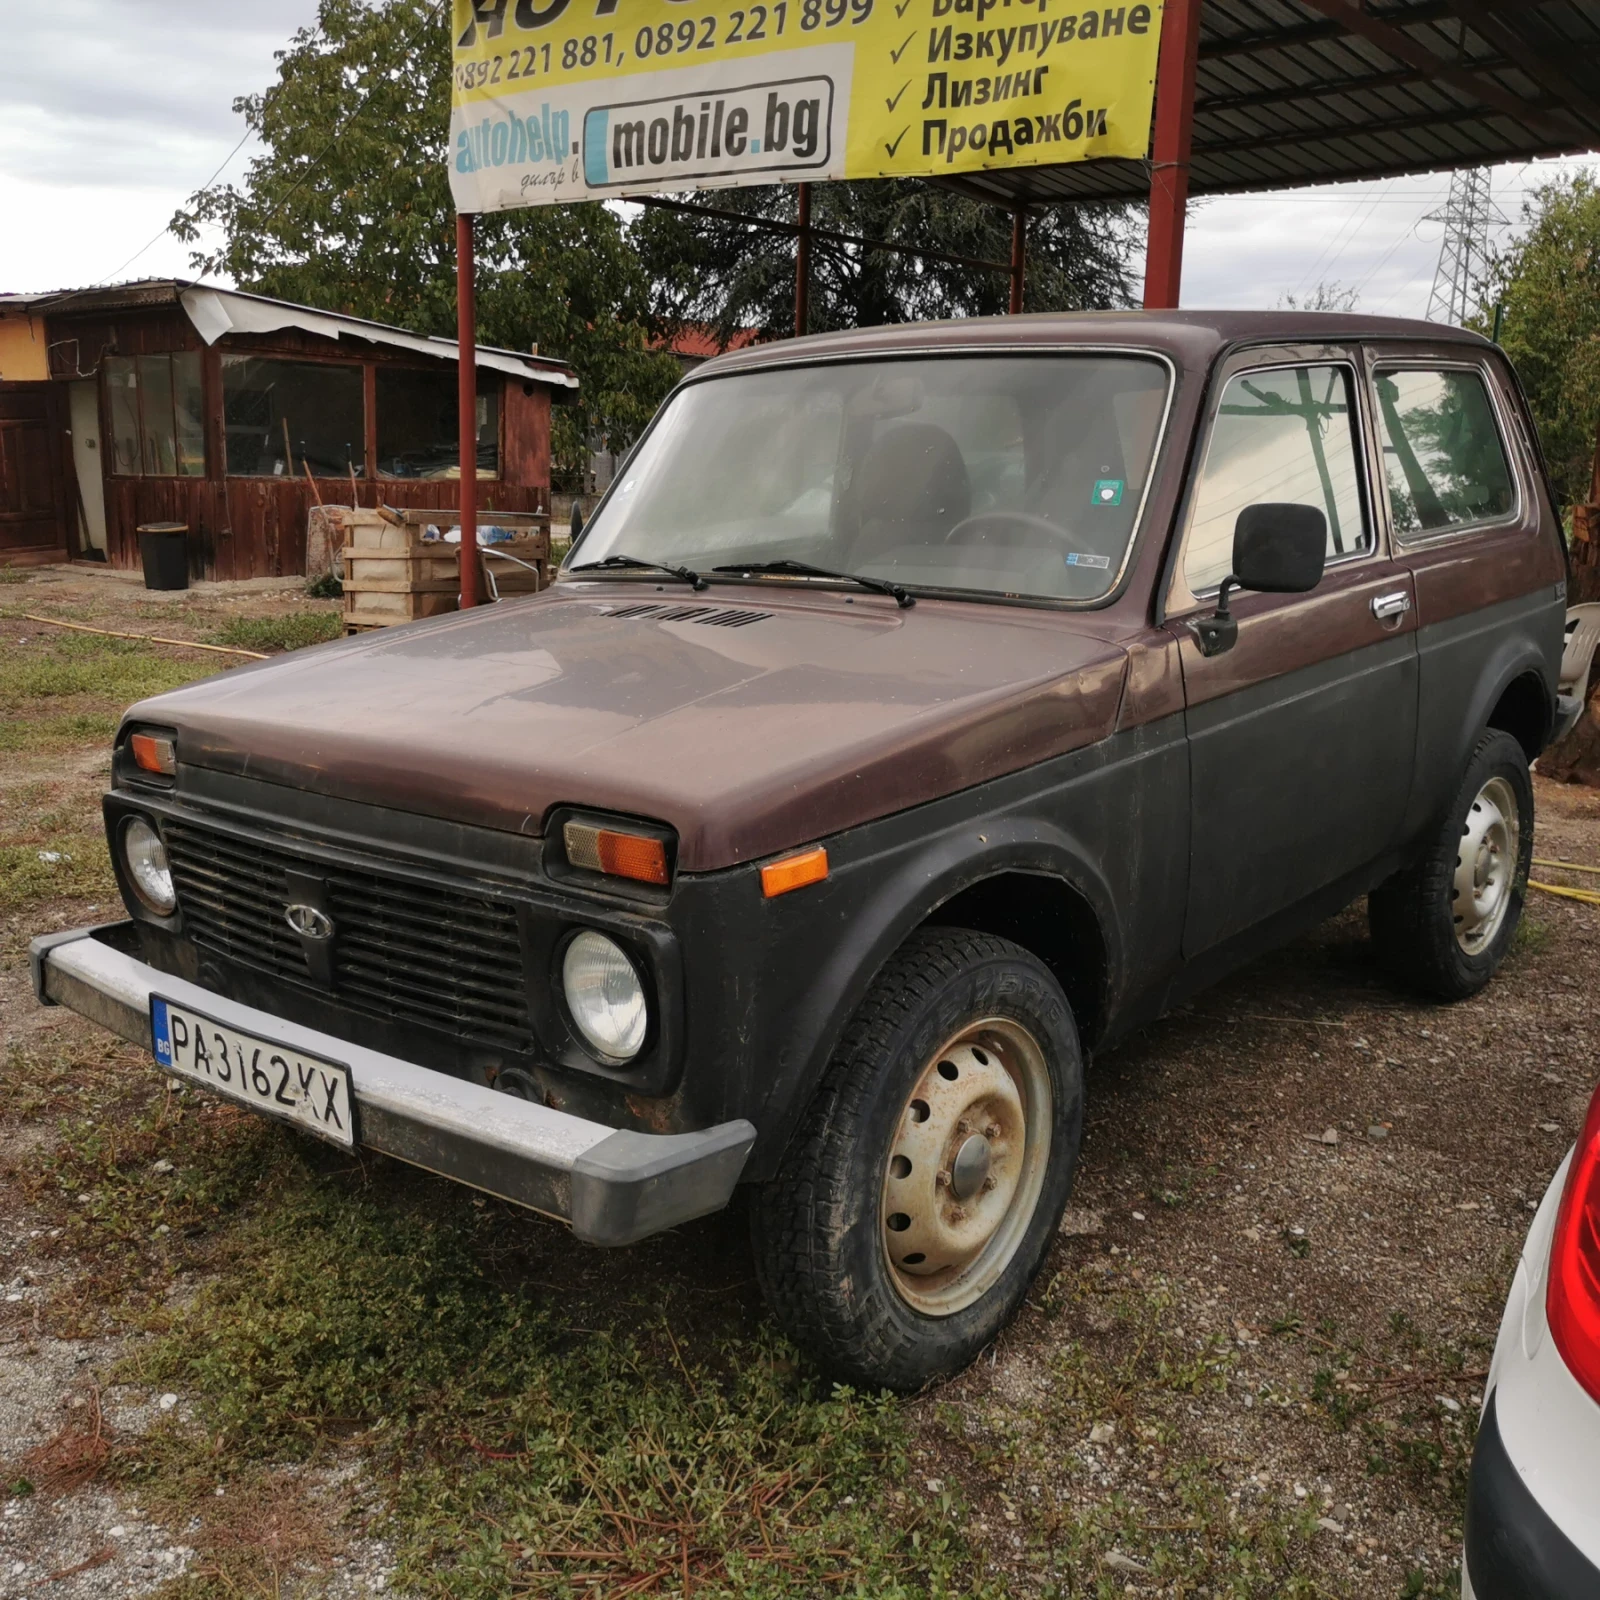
[(925, 1182), (1444, 924)]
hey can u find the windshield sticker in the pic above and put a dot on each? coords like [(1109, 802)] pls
[(1077, 558), (1108, 492)]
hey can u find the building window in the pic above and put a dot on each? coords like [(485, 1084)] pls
[(157, 416), (417, 414), (282, 417)]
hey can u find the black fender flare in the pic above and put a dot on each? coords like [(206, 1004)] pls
[(1511, 659), (923, 879)]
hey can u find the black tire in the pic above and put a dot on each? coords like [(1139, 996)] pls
[(1415, 915), (818, 1225)]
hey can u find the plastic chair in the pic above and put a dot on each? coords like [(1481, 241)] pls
[(500, 555), (1583, 635)]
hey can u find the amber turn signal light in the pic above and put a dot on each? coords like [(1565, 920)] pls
[(618, 855), (152, 753), (794, 872)]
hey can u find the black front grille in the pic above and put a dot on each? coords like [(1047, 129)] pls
[(402, 950)]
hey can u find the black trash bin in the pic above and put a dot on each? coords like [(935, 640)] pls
[(164, 550)]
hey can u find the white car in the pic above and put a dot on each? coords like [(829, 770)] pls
[(1533, 1506)]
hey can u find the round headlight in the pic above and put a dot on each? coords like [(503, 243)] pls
[(146, 859), (604, 996)]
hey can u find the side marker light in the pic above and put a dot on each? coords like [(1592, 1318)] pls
[(794, 872)]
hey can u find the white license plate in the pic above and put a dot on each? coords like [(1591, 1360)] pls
[(273, 1078)]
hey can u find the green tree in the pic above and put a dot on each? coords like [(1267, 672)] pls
[(1548, 280), (348, 208), (728, 275)]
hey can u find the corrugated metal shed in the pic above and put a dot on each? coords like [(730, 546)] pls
[(1294, 92)]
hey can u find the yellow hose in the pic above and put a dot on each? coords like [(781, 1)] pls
[(1588, 897)]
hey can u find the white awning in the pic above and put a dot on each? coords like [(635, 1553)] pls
[(215, 312)]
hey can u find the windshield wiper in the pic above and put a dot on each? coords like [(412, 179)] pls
[(634, 564), (804, 569)]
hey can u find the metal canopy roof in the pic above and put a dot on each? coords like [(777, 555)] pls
[(1294, 92)]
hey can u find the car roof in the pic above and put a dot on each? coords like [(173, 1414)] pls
[(1190, 337)]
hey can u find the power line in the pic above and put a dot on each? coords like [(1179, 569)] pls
[(1342, 240), (315, 161), (168, 228)]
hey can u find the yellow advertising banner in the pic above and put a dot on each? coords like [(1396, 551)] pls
[(589, 99)]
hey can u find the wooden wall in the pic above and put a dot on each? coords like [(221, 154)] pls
[(34, 488), (256, 527)]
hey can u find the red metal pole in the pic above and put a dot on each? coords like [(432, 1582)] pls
[(1019, 247), (1174, 140), (802, 262), (467, 403)]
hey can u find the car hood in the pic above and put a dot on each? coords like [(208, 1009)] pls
[(748, 724)]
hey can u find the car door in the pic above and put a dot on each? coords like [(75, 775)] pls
[(1302, 737), (1469, 523)]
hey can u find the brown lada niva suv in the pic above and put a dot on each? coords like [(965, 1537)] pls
[(922, 709)]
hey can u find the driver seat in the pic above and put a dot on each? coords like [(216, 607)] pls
[(911, 488)]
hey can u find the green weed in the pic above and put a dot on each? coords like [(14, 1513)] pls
[(119, 670), (292, 632), (1184, 1527), (44, 735), (1420, 1586), (82, 868), (534, 1439)]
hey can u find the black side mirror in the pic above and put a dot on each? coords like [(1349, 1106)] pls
[(577, 519), (1277, 549)]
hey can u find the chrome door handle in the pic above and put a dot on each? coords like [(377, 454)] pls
[(1385, 606)]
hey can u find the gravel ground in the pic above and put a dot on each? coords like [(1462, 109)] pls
[(1329, 1185)]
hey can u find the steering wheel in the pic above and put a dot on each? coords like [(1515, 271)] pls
[(1024, 522)]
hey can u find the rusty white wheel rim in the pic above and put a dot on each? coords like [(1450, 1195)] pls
[(1486, 866), (966, 1165)]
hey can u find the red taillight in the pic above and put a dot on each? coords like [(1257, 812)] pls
[(1572, 1300)]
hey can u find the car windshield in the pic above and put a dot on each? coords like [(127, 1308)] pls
[(1014, 475)]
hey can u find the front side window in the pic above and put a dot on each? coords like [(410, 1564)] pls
[(157, 416), (417, 414), (1016, 475), (283, 417), (1285, 436), (1443, 459)]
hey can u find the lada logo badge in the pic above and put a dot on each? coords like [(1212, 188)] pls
[(309, 922)]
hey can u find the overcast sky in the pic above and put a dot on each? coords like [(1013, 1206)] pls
[(112, 112)]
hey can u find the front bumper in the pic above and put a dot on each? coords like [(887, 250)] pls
[(614, 1186)]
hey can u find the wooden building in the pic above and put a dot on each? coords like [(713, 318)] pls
[(168, 401)]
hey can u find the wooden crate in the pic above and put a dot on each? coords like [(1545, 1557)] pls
[(393, 573)]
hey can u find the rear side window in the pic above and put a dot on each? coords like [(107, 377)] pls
[(1443, 458), (1282, 436)]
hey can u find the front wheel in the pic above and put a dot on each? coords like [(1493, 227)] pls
[(1445, 923), (920, 1193)]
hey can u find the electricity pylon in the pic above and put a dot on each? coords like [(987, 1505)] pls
[(1469, 216)]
